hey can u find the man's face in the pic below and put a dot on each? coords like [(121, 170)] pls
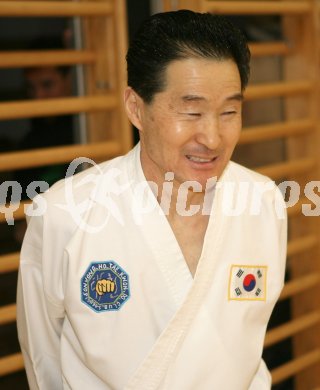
[(47, 83), (192, 127)]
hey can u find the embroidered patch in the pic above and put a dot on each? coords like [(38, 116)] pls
[(248, 282), (105, 286)]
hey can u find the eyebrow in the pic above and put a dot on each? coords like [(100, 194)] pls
[(197, 98), (236, 96), (193, 98)]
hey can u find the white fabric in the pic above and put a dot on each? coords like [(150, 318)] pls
[(174, 332)]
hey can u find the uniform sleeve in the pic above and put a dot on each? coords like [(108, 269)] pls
[(39, 320), (262, 378)]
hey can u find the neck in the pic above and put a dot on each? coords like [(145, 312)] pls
[(176, 198)]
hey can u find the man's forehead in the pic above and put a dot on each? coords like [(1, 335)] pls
[(193, 71)]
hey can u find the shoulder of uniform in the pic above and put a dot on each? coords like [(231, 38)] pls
[(79, 186), (259, 184), (245, 174)]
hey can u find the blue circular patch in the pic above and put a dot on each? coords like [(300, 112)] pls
[(105, 286)]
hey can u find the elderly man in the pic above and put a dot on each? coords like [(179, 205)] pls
[(141, 274)]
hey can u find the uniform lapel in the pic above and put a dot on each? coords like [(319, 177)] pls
[(159, 236), (153, 369)]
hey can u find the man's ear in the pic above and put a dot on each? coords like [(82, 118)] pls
[(133, 105)]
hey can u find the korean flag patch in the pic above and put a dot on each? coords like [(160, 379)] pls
[(248, 283)]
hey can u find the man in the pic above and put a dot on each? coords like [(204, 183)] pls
[(45, 83), (48, 82), (154, 282)]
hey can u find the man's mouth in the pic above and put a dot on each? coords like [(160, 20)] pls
[(200, 159)]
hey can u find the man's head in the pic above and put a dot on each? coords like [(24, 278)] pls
[(186, 76), (48, 82), (178, 35)]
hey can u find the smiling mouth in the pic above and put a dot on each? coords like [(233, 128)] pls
[(201, 159)]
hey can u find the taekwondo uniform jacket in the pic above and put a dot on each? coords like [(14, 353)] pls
[(106, 300)]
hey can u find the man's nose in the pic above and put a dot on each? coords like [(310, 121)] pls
[(209, 134)]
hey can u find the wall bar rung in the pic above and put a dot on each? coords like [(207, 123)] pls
[(263, 91), (9, 263), (287, 330), (287, 370), (269, 49), (62, 106), (23, 59), (300, 285), (302, 244), (56, 155), (293, 167), (11, 363), (54, 8), (276, 130), (257, 8), (7, 314)]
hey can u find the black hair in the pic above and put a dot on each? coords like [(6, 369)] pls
[(169, 36)]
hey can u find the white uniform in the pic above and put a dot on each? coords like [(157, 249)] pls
[(117, 308)]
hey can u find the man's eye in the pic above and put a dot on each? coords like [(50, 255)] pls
[(194, 113), (229, 112)]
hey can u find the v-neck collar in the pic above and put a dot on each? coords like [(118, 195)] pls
[(160, 238)]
